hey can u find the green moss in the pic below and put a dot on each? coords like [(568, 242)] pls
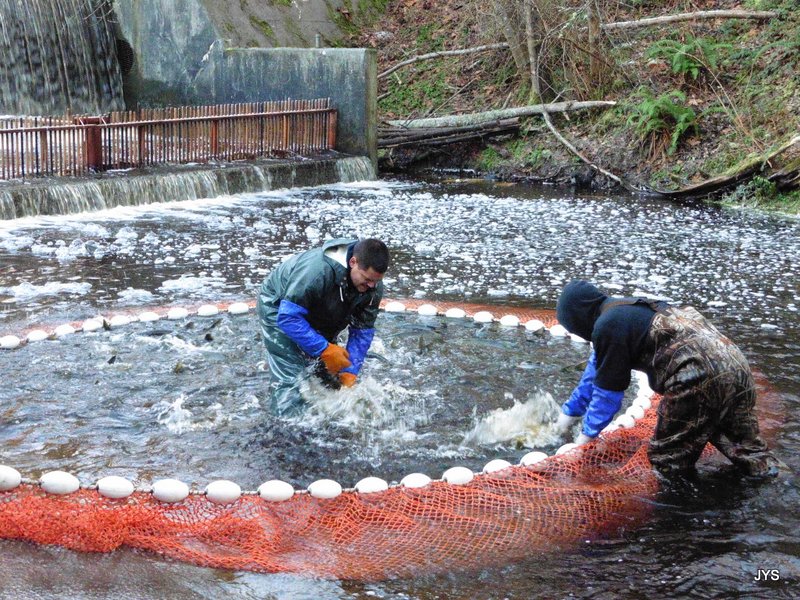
[(489, 160), (293, 29), (762, 194), (265, 28), (418, 89)]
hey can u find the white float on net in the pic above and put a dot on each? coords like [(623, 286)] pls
[(207, 310), (558, 330), (223, 491), (325, 489), (371, 485), (498, 464), (637, 412), (239, 308), (149, 316), (114, 487), (415, 480), (394, 306), (37, 335), (509, 321), (59, 482), (170, 490), (531, 458), (92, 324), (458, 475), (483, 316), (9, 478), (62, 330), (427, 310), (177, 313), (275, 490), (455, 313), (566, 448), (9, 342), (119, 320), (626, 421), (534, 325)]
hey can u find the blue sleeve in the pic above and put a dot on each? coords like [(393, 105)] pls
[(292, 322), (602, 408), (358, 342), (582, 394)]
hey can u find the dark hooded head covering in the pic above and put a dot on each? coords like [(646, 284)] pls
[(579, 307)]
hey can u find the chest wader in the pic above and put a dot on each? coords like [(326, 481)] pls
[(708, 393), (289, 367)]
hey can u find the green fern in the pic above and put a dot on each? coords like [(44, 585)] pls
[(690, 57), (662, 119)]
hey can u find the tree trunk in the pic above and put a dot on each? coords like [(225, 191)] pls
[(511, 33), (533, 54), (595, 65)]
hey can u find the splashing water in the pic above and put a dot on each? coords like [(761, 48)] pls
[(526, 424)]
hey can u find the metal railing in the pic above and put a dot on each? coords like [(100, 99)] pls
[(32, 147)]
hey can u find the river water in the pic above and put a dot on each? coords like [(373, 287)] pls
[(186, 398)]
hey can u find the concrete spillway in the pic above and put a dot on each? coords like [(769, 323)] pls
[(173, 184)]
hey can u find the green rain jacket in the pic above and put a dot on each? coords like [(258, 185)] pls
[(318, 281)]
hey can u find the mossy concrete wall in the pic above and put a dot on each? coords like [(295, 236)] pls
[(346, 75), (179, 58)]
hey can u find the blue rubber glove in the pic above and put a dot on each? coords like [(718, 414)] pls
[(292, 322), (602, 408), (358, 343), (581, 396)]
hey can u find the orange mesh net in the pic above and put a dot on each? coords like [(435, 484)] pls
[(495, 519)]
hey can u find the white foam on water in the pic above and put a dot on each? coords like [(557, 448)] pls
[(173, 415), (527, 423), (193, 284), (368, 404), (27, 291), (134, 296), (178, 419)]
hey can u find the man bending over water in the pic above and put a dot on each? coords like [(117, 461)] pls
[(307, 301), (707, 386)]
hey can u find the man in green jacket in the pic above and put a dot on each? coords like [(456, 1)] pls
[(307, 301)]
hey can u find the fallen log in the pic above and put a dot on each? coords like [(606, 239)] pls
[(482, 118), (716, 185), (693, 16), (436, 136)]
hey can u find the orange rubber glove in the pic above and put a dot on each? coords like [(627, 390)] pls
[(335, 358), (347, 379)]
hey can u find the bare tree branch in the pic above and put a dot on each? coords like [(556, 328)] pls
[(431, 55), (693, 16), (577, 153)]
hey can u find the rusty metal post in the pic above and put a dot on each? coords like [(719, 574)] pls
[(141, 135), (215, 138), (43, 158), (93, 141), (331, 130)]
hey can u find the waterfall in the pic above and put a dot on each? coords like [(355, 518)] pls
[(58, 56), (355, 168), (81, 195)]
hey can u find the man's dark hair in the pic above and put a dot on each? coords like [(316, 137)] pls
[(372, 254)]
